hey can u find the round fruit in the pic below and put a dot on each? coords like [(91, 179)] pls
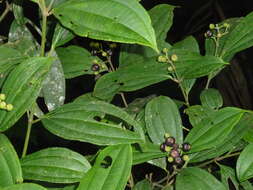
[(170, 159), (178, 161), (9, 107), (163, 147), (174, 57), (208, 34), (95, 67), (174, 153), (170, 141), (186, 147), (2, 96), (186, 157)]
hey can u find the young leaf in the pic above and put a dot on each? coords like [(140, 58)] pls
[(54, 85), (109, 20), (82, 121), (55, 165), (76, 61), (244, 165), (22, 87), (193, 178), (110, 171), (162, 116), (227, 174), (25, 186), (143, 185), (10, 169), (211, 98), (212, 131)]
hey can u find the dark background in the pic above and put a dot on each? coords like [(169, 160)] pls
[(191, 17)]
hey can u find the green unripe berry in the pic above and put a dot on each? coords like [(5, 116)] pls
[(96, 73), (9, 107), (166, 135), (186, 157), (174, 57), (104, 54), (219, 35), (162, 59), (170, 159), (211, 26), (226, 25), (170, 69), (165, 50), (2, 96), (167, 148), (2, 105)]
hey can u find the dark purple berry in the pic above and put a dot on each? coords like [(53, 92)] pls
[(186, 147), (163, 147), (208, 34), (174, 153), (175, 146), (170, 141), (179, 161), (95, 67)]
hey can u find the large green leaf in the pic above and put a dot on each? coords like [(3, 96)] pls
[(61, 36), (9, 57), (227, 174), (22, 88), (56, 165), (143, 185), (162, 116), (239, 37), (25, 186), (110, 171), (244, 165), (197, 179), (161, 17), (82, 121), (17, 9), (231, 142), (211, 98), (212, 131), (10, 169), (54, 85), (110, 20), (76, 61)]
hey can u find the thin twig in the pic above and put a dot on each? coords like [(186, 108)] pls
[(6, 11)]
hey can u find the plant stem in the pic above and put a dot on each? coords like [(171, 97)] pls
[(7, 9), (44, 26), (28, 132), (219, 159)]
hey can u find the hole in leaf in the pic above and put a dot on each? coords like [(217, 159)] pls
[(60, 15), (116, 80), (85, 70), (97, 118), (72, 23), (107, 162), (121, 83)]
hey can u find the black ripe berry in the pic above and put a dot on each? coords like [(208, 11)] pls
[(178, 161), (174, 153), (163, 147), (208, 34), (186, 147), (170, 141), (95, 67)]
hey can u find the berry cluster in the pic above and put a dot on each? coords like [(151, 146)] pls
[(3, 104), (176, 152), (217, 30), (97, 49), (96, 66)]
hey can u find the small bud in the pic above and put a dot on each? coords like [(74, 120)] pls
[(9, 107), (186, 147), (165, 50), (170, 141), (211, 26), (2, 105), (219, 35), (96, 73), (186, 157), (162, 59), (2, 96), (170, 69), (226, 25), (95, 67), (174, 57), (104, 54), (166, 135), (170, 159)]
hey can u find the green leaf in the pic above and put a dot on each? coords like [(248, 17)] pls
[(55, 165), (161, 17), (131, 78), (109, 20), (246, 185), (17, 9), (54, 85), (10, 169), (211, 98), (143, 185), (22, 87), (159, 162), (162, 116), (152, 151), (193, 178), (25, 186), (244, 165), (61, 36), (231, 142), (211, 132), (9, 57), (110, 171), (76, 61), (69, 187), (227, 174), (82, 121)]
